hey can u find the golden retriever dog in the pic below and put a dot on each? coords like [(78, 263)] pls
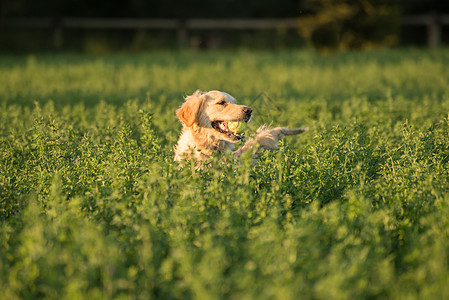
[(205, 116)]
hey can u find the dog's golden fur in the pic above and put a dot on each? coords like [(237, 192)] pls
[(202, 114)]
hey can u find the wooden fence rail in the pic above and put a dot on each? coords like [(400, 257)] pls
[(434, 23)]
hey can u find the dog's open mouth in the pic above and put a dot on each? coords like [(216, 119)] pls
[(222, 126)]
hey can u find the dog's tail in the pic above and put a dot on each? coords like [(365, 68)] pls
[(279, 132), (267, 138), (291, 131)]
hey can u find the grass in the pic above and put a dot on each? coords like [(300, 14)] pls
[(93, 206)]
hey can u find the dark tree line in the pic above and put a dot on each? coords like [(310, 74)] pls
[(152, 8), (187, 9)]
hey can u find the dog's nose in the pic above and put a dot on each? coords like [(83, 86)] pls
[(247, 110)]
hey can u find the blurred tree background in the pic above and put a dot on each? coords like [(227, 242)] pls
[(153, 8), (322, 24), (350, 23)]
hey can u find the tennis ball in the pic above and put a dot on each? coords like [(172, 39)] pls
[(237, 127)]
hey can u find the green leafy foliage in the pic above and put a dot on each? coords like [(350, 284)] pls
[(93, 205)]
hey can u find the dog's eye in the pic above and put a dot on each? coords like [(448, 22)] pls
[(222, 102)]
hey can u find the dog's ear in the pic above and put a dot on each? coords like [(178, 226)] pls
[(189, 111)]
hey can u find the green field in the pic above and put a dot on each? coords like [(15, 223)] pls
[(93, 206)]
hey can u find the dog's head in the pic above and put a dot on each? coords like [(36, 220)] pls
[(211, 112)]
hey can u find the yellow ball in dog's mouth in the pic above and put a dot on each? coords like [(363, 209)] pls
[(237, 127)]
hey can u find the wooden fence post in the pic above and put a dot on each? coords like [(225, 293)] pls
[(57, 34), (434, 31), (182, 34)]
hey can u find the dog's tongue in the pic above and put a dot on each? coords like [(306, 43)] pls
[(223, 126)]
